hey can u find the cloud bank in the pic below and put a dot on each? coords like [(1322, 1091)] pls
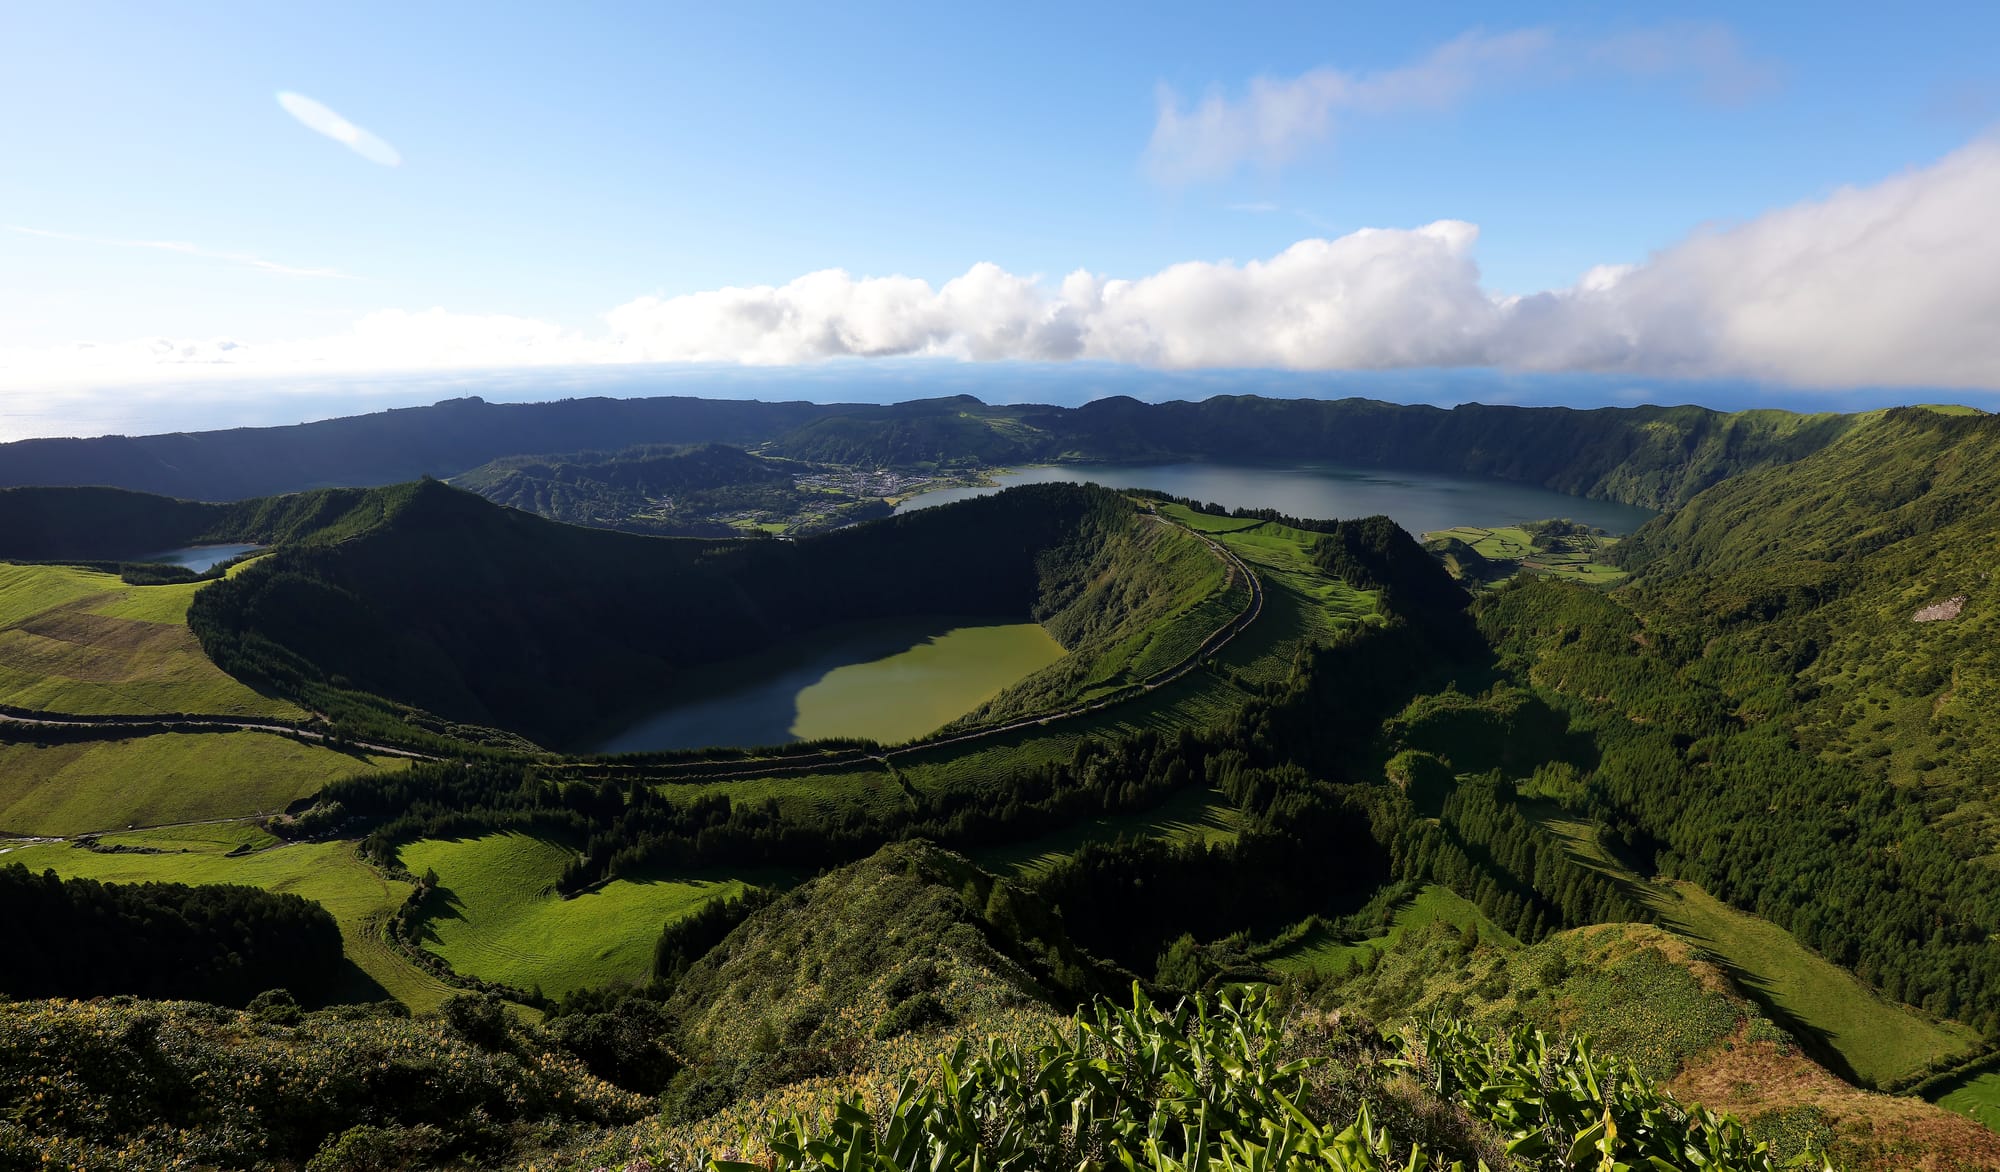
[(1274, 120), (1894, 284)]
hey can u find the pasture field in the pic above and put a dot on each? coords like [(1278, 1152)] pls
[(1977, 1098), (80, 641), (505, 922), (1193, 815), (329, 873), (79, 786), (1512, 549), (1322, 952), (1824, 1005), (1877, 1039), (1300, 601)]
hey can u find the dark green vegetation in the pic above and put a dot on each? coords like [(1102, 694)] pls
[(1652, 456), (448, 611), (1851, 599), (704, 490), (109, 526), (139, 1084), (605, 489), (81, 938), (913, 938), (1762, 698)]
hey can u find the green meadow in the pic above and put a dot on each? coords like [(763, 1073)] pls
[(329, 873), (80, 641), (1193, 815), (78, 786), (1877, 1039), (502, 920), (1978, 1098), (1511, 548), (1825, 1005), (1321, 951)]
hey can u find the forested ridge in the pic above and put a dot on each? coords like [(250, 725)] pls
[(480, 615), (618, 490), (113, 525), (1652, 456)]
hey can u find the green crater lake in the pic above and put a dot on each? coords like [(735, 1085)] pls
[(889, 681)]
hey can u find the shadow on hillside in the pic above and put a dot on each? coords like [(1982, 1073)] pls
[(1816, 1041), (352, 986), (442, 904)]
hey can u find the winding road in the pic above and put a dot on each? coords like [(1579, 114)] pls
[(800, 763)]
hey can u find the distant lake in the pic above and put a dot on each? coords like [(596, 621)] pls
[(198, 558), (1418, 501), (890, 681)]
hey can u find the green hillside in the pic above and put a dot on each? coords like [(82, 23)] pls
[(496, 914), (111, 525), (81, 641), (488, 616)]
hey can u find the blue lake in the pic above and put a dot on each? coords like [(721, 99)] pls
[(197, 557), (1418, 501)]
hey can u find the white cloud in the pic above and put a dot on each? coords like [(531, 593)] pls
[(1277, 119), (186, 249), (1894, 284), (316, 116)]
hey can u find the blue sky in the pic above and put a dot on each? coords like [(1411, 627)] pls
[(561, 162)]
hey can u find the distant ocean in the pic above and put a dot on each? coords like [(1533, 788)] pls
[(248, 400)]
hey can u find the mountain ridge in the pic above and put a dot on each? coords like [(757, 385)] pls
[(1650, 456)]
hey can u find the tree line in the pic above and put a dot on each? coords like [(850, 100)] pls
[(81, 938)]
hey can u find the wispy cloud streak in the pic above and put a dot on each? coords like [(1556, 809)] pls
[(1276, 120), (185, 249), (317, 116)]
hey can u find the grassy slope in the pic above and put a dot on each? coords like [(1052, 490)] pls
[(1192, 815), (80, 641), (329, 873), (1977, 1098), (1513, 549), (507, 924), (1876, 1039), (817, 967), (1149, 606), (1646, 994), (79, 786), (1322, 952)]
